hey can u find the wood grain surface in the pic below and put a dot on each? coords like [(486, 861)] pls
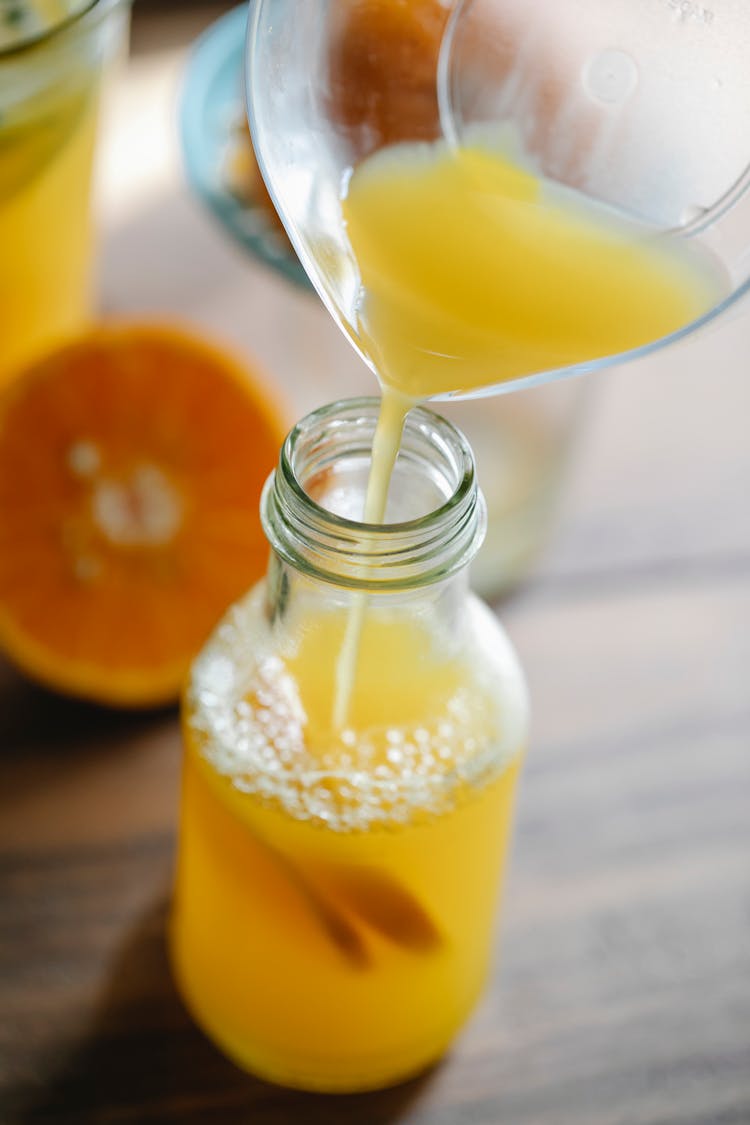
[(621, 993)]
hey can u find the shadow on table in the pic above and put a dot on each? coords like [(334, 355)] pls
[(143, 1060), (31, 716)]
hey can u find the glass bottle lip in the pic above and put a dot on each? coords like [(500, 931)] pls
[(390, 556)]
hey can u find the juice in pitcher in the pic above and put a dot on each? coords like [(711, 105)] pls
[(337, 885), (474, 270)]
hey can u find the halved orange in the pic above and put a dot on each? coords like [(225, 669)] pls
[(131, 466)]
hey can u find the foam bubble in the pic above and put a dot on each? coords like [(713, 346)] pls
[(246, 718)]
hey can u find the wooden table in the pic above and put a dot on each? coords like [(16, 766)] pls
[(622, 996)]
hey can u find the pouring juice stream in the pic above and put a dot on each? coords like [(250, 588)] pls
[(475, 271)]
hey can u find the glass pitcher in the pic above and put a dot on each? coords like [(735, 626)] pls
[(642, 125)]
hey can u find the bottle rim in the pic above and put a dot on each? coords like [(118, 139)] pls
[(389, 556)]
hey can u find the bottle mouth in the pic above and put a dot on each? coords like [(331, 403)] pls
[(311, 502)]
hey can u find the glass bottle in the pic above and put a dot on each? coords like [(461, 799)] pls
[(336, 885)]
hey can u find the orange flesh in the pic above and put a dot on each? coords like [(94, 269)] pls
[(131, 465)]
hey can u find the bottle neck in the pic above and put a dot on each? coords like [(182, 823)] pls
[(312, 503)]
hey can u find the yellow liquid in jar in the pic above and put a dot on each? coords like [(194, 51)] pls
[(336, 893), (46, 156)]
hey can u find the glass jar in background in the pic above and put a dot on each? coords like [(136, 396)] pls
[(337, 883), (522, 443), (52, 60)]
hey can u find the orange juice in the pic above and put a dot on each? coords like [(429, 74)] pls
[(45, 222), (52, 55), (336, 890), (475, 271)]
